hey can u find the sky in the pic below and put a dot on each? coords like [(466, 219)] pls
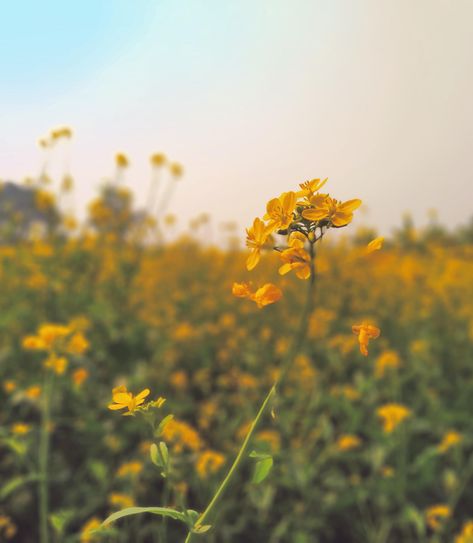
[(251, 97)]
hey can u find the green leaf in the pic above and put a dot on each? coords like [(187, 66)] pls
[(163, 511), (60, 520), (155, 458), (162, 425), (259, 455), (262, 469), (163, 453), (11, 485)]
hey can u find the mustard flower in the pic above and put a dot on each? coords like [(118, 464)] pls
[(365, 333), (392, 414), (122, 399)]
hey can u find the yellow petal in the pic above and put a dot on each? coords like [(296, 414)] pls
[(142, 395), (253, 259)]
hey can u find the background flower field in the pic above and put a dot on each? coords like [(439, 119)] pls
[(161, 315)]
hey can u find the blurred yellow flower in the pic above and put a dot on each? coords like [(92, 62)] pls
[(121, 160), (365, 333), (209, 462), (436, 515), (392, 414), (348, 442), (374, 245), (265, 295), (85, 534), (79, 376), (20, 428), (449, 440), (466, 535), (120, 500)]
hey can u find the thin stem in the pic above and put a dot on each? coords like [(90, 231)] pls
[(286, 365), (44, 458)]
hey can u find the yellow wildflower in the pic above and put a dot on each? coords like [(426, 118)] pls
[(466, 535), (323, 207), (279, 211), (209, 462), (392, 414), (123, 399), (365, 333), (347, 442), (157, 159), (265, 295), (386, 360), (120, 500), (33, 392), (296, 257), (79, 376), (121, 160), (7, 528), (57, 363), (309, 188), (85, 534), (78, 344), (176, 170), (9, 386), (374, 245), (130, 468), (256, 237), (436, 515), (20, 428), (450, 439)]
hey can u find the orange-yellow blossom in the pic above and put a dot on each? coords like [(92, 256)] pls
[(296, 257), (124, 399), (265, 295), (309, 188), (365, 333), (337, 213), (279, 211), (256, 237), (392, 414), (436, 515), (374, 245)]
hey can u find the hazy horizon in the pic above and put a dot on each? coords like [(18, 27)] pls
[(251, 98)]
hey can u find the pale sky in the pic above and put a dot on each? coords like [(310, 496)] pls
[(251, 96)]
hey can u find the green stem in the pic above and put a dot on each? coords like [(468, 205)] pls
[(285, 367), (44, 457)]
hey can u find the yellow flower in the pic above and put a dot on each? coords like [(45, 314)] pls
[(33, 392), (7, 528), (123, 399), (9, 386), (387, 472), (436, 515), (85, 533), (323, 207), (20, 428), (348, 442), (181, 435), (78, 344), (265, 295), (157, 159), (50, 334), (309, 188), (209, 462), (121, 160), (130, 468), (79, 376), (450, 439), (279, 211), (33, 343), (57, 363), (365, 333), (388, 359), (271, 437), (176, 170), (374, 245), (296, 257), (256, 237), (121, 501), (466, 535), (392, 414)]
